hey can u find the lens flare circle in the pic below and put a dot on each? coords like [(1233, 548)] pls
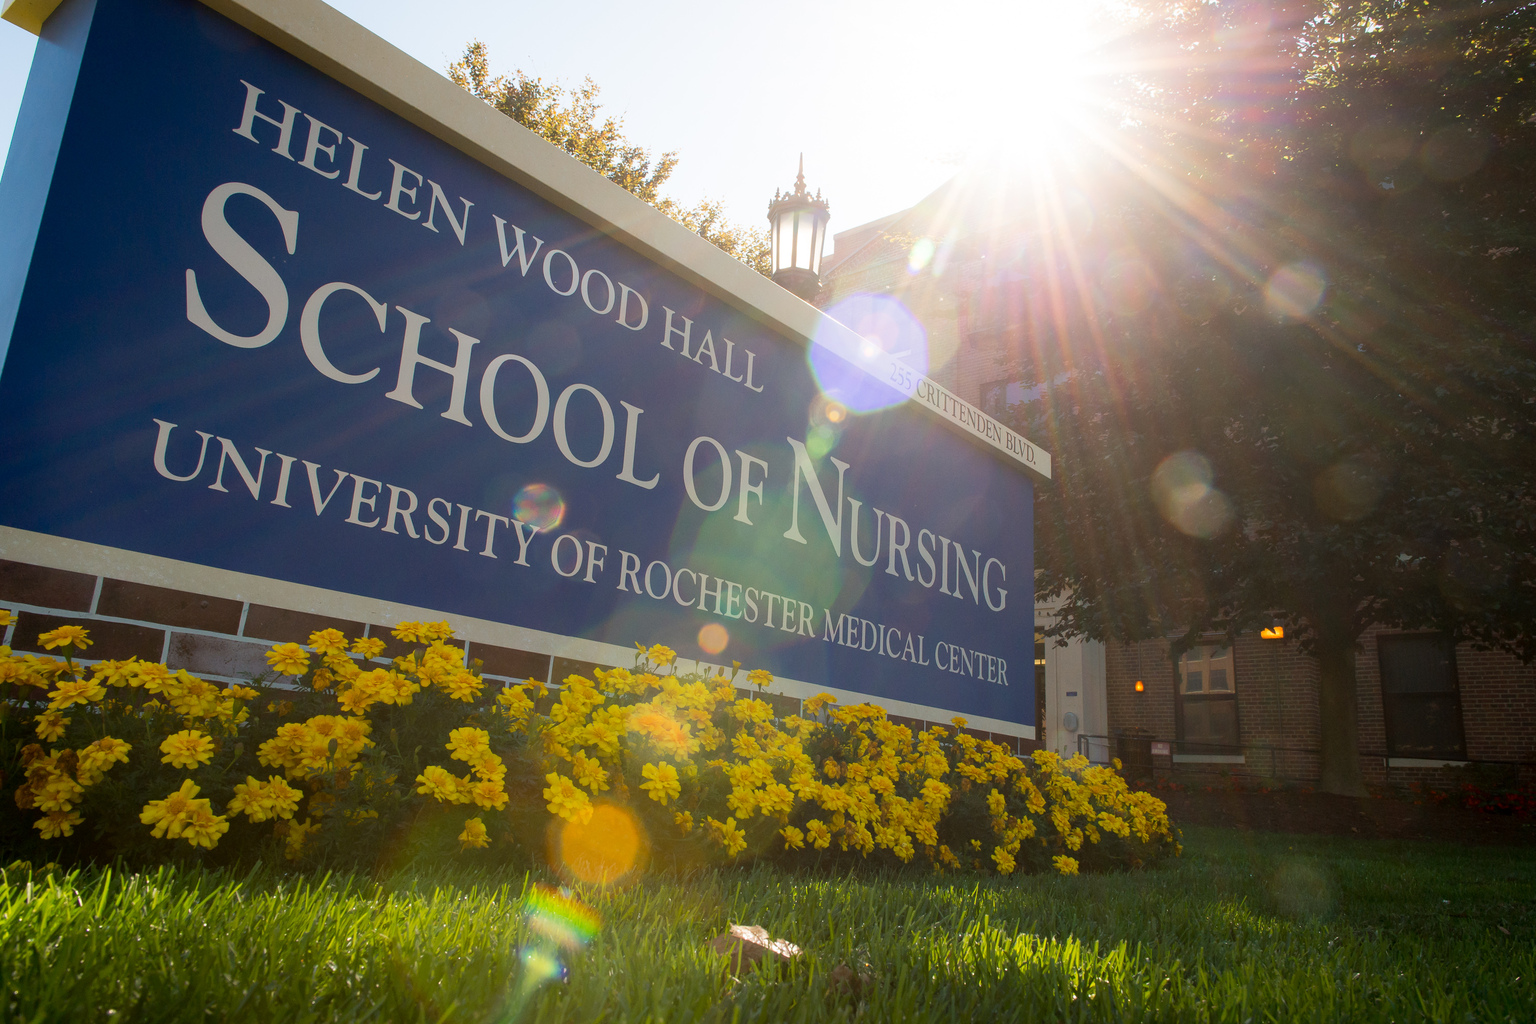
[(557, 917), (1295, 290), (540, 966), (539, 505), (921, 255), (713, 638), (1182, 488), (607, 850), (887, 328)]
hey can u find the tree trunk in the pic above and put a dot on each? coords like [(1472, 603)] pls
[(1338, 711)]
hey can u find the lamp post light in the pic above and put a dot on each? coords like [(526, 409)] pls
[(798, 224)]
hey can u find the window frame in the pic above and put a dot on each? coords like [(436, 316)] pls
[(1188, 746), (1383, 643)]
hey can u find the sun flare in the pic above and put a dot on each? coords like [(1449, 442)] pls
[(1026, 75)]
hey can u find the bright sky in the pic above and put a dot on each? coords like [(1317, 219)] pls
[(885, 98)]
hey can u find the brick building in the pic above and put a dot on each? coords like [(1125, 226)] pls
[(975, 270)]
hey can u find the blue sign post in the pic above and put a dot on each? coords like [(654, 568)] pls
[(264, 324)]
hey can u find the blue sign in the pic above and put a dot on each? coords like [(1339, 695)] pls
[(271, 327)]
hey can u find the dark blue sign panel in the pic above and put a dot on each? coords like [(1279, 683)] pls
[(269, 326)]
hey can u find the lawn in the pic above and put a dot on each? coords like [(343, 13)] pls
[(1244, 927)]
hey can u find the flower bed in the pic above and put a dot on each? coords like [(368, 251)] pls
[(348, 757)]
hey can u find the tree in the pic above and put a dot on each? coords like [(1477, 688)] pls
[(569, 118), (1324, 409)]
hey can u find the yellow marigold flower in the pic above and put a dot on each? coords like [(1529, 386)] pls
[(668, 735), (355, 700), (794, 839), (488, 794), (369, 648), (327, 641), (518, 706), (192, 697), (474, 835), (589, 771), (116, 673), (288, 659), (6, 618), (752, 710), (58, 793), (732, 838), (662, 784), (661, 655), (408, 632), (1004, 860), (96, 758), (153, 676), (187, 749), (297, 833), (464, 685), (203, 827), (169, 815), (75, 691), (619, 680), (566, 800), (65, 636), (816, 703), (958, 722), (775, 798), (997, 804), (1066, 865), (488, 767), (50, 725), (684, 821), (760, 678), (438, 783), (469, 742), (261, 801), (602, 735), (57, 823), (936, 793), (818, 833), (947, 857), (1114, 824)]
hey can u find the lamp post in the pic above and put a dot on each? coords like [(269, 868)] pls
[(798, 225)]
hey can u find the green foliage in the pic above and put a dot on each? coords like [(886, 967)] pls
[(1248, 926), (570, 119), (1315, 393)]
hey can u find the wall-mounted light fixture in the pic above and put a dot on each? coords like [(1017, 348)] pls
[(1140, 686), (1275, 632)]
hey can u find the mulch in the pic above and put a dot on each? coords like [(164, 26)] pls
[(1293, 811)]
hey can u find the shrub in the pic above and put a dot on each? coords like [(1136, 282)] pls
[(350, 756)]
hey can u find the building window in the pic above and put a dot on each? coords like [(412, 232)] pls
[(1207, 701), (1420, 697)]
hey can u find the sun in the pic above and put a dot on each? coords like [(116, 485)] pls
[(1024, 84)]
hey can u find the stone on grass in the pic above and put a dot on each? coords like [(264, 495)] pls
[(748, 945)]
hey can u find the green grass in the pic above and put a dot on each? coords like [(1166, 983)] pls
[(1244, 927)]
